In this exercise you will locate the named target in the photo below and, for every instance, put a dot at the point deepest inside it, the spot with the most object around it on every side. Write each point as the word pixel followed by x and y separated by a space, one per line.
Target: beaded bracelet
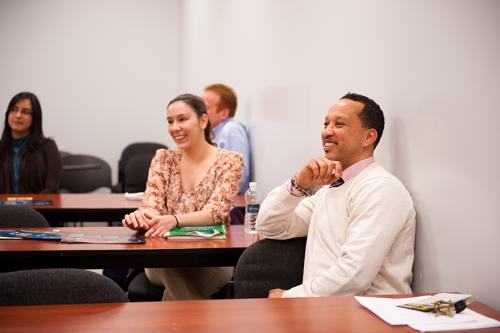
pixel 176 221
pixel 306 192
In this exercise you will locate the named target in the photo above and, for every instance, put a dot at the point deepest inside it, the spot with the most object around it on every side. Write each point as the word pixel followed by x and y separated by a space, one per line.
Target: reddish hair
pixel 227 97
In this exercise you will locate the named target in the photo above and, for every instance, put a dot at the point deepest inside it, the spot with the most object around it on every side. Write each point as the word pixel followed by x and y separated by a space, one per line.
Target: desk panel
pixel 158 252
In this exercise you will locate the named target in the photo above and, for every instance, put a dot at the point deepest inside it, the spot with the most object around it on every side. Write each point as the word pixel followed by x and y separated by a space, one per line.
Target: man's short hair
pixel 371 115
pixel 227 97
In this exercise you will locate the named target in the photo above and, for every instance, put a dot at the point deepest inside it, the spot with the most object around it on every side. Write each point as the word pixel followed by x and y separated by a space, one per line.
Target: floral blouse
pixel 214 193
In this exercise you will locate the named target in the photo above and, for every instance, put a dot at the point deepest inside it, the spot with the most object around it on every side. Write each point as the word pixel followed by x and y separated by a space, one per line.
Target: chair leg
pixel 230 289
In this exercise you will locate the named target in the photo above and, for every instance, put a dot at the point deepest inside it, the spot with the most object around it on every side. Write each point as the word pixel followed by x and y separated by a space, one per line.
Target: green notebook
pixel 199 232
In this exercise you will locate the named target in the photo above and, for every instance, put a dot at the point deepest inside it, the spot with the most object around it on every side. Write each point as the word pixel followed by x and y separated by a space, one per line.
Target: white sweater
pixel 360 236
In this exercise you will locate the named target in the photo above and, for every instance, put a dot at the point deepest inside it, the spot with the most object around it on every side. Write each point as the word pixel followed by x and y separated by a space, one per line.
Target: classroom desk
pixel 89 207
pixel 26 254
pixel 77 207
pixel 329 314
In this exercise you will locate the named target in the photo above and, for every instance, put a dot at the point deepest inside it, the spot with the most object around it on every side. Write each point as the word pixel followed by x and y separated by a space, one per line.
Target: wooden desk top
pixel 77 207
pixel 330 314
pixel 157 252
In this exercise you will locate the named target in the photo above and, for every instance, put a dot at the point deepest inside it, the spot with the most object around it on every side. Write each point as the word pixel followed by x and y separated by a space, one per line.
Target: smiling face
pixel 344 137
pixel 20 118
pixel 184 126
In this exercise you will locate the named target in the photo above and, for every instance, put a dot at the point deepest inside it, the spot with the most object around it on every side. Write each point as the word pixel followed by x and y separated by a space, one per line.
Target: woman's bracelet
pixel 176 221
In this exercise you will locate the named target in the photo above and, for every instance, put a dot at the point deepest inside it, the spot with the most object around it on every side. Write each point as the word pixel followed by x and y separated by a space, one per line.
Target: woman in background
pixel 29 162
pixel 194 184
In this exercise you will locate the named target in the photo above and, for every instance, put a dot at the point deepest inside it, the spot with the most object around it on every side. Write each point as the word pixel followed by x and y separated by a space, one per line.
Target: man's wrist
pixel 296 188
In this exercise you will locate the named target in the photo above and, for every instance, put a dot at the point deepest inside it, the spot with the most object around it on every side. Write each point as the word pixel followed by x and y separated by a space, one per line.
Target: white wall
pixel 103 70
pixel 432 65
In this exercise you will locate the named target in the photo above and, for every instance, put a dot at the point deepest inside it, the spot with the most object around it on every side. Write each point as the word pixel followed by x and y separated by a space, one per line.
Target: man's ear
pixel 370 138
pixel 224 113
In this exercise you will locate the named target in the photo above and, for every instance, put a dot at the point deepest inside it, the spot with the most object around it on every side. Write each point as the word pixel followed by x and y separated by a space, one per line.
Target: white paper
pixel 138 196
pixel 443 297
pixel 387 310
pixel 479 321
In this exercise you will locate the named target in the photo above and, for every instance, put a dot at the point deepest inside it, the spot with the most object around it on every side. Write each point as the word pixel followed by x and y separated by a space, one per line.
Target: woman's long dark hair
pixel 198 106
pixel 36 133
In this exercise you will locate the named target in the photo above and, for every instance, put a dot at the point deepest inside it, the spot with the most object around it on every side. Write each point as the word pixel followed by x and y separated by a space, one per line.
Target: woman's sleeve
pixel 54 167
pixel 154 196
pixel 226 187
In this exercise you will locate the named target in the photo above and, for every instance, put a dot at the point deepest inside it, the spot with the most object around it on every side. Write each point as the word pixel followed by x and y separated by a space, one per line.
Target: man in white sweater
pixel 360 225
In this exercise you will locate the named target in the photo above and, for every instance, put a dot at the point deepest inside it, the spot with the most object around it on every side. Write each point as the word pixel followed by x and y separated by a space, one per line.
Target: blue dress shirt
pixel 232 135
pixel 17 150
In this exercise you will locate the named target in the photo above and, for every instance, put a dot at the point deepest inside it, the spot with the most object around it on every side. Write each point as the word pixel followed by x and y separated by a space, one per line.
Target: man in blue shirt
pixel 221 103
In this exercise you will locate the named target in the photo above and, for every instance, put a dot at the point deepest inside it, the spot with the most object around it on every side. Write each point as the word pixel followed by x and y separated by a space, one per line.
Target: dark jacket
pixel 39 172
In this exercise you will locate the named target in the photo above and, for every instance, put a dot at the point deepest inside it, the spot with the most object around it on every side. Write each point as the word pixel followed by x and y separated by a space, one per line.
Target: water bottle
pixel 251 208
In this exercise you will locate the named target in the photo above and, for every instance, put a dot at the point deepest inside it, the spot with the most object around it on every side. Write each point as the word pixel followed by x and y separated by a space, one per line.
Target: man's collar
pixel 221 124
pixel 356 168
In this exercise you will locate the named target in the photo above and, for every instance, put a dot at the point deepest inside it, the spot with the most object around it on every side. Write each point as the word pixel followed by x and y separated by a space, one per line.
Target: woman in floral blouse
pixel 194 184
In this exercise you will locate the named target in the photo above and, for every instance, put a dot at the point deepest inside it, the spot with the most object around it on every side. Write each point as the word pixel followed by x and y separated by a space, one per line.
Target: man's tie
pixel 337 183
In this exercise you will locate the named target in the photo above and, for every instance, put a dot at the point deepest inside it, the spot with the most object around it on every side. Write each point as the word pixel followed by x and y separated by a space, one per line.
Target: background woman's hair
pixel 36 132
pixel 198 106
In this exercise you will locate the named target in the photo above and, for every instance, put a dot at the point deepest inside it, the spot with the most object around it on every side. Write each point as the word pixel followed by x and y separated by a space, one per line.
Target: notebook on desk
pixel 29 234
pixel 74 237
pixel 24 201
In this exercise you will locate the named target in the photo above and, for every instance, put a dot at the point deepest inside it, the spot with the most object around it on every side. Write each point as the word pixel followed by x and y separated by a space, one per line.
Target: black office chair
pixel 21 217
pixel 63 154
pixel 58 286
pixel 269 264
pixel 84 173
pixel 135 174
pixel 237 216
pixel 131 150
pixel 140 289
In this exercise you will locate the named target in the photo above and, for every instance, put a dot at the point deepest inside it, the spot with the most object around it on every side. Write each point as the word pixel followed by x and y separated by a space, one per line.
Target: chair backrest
pixel 84 173
pixel 269 264
pixel 236 216
pixel 135 149
pixel 135 174
pixel 21 217
pixel 58 286
pixel 63 154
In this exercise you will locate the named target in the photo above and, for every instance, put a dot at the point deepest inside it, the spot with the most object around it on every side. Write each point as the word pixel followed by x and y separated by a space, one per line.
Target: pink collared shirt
pixel 356 168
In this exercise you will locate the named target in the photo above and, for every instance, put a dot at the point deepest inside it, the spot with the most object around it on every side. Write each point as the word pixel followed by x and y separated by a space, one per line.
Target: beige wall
pixel 104 70
pixel 432 65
